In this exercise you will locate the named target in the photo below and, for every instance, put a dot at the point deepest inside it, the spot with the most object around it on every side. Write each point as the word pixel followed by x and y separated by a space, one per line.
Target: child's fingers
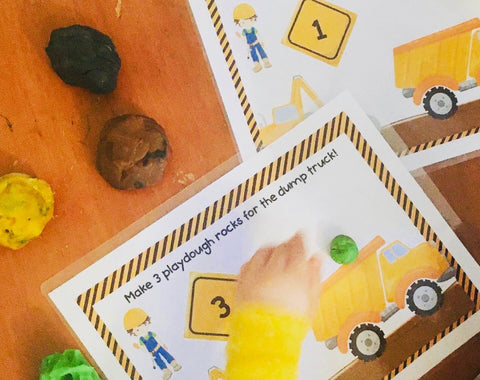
pixel 250 273
pixel 314 266
pixel 258 260
pixel 292 252
pixel 261 257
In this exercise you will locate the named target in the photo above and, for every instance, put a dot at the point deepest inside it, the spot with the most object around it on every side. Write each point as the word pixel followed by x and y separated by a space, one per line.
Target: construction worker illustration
pixel 245 17
pixel 136 322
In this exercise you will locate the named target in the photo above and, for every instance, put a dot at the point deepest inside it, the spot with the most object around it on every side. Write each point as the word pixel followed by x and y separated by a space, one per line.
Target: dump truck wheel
pixel 367 342
pixel 424 297
pixel 440 102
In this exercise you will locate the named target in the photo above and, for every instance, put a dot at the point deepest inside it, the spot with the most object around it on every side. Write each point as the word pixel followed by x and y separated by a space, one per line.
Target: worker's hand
pixel 282 276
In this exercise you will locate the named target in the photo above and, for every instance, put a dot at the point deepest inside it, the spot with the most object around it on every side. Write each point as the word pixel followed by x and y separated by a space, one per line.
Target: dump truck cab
pixel 402 266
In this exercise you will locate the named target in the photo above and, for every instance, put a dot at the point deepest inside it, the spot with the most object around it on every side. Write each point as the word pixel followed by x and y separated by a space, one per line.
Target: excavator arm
pixel 298 84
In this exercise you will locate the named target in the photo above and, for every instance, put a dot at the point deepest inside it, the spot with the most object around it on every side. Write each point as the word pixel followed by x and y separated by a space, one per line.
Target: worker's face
pixel 246 23
pixel 141 330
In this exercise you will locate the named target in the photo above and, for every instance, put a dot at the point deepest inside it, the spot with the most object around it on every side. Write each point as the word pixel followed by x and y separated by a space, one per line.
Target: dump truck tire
pixel 424 297
pixel 440 102
pixel 367 342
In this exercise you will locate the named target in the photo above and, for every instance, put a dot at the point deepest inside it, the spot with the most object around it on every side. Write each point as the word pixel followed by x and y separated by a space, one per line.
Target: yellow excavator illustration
pixel 289 115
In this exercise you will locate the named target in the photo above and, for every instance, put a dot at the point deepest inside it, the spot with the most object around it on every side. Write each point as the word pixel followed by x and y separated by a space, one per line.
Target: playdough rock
pixel 84 57
pixel 69 365
pixel 26 205
pixel 343 249
pixel 132 152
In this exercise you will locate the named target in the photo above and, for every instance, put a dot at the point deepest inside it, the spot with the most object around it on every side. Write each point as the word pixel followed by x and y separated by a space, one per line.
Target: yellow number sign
pixel 320 29
pixel 209 306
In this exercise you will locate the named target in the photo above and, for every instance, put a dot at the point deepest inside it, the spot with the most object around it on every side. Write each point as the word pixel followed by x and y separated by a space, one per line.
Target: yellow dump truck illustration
pixel 288 116
pixel 358 296
pixel 431 68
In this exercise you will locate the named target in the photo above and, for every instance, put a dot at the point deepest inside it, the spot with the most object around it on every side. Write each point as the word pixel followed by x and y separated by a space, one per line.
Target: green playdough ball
pixel 343 249
pixel 69 365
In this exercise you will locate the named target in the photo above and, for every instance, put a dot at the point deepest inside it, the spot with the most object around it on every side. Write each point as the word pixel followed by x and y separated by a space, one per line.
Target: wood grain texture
pixel 50 130
pixel 462 364
pixel 423 128
pixel 411 336
pixel 458 181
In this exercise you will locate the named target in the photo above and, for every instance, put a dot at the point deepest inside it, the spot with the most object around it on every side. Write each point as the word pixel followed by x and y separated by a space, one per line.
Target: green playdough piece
pixel 343 249
pixel 70 365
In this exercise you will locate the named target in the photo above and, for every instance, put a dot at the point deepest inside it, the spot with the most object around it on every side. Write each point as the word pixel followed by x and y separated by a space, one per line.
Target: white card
pixel 333 174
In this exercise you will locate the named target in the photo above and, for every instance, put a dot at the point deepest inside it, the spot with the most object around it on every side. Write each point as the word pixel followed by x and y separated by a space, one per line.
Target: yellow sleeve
pixel 264 343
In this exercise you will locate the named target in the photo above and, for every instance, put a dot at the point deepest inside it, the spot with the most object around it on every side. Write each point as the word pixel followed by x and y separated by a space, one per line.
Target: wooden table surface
pixel 50 129
pixel 453 187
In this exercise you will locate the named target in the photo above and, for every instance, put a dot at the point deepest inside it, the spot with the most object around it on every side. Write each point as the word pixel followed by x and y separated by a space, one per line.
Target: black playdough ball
pixel 84 57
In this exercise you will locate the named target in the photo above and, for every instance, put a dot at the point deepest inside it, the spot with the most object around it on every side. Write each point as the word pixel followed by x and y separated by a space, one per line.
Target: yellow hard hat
pixel 134 318
pixel 243 11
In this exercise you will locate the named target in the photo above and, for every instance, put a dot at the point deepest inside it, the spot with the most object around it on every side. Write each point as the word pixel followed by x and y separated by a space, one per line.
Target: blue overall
pixel 156 350
pixel 255 45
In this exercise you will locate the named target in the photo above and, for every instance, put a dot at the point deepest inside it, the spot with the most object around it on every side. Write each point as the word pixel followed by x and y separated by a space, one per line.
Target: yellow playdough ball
pixel 26 206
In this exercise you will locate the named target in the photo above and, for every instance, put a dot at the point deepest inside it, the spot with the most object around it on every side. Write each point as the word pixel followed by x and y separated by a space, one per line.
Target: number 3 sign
pixel 320 29
pixel 209 305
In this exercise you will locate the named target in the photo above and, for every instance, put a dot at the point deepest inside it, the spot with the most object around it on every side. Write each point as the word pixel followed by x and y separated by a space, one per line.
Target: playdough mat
pixel 394 57
pixel 334 174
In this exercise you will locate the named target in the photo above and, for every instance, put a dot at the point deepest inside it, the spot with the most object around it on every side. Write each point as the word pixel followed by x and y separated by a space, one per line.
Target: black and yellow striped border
pixel 432 342
pixel 340 125
pixel 473 293
pixel 234 73
pixel 440 141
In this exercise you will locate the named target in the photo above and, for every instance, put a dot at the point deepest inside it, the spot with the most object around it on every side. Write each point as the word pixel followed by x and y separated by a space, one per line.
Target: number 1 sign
pixel 320 29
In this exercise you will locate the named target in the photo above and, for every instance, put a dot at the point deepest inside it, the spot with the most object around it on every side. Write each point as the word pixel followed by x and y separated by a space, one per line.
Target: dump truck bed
pixel 445 53
pixel 353 288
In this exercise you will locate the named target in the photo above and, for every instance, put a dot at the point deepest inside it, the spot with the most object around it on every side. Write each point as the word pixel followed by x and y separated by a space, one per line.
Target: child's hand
pixel 282 276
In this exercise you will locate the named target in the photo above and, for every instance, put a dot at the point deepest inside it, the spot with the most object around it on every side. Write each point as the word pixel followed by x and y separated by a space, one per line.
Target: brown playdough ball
pixel 132 152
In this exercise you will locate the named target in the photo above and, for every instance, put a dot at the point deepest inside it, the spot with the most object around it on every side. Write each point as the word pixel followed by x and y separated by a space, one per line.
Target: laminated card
pixel 407 301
